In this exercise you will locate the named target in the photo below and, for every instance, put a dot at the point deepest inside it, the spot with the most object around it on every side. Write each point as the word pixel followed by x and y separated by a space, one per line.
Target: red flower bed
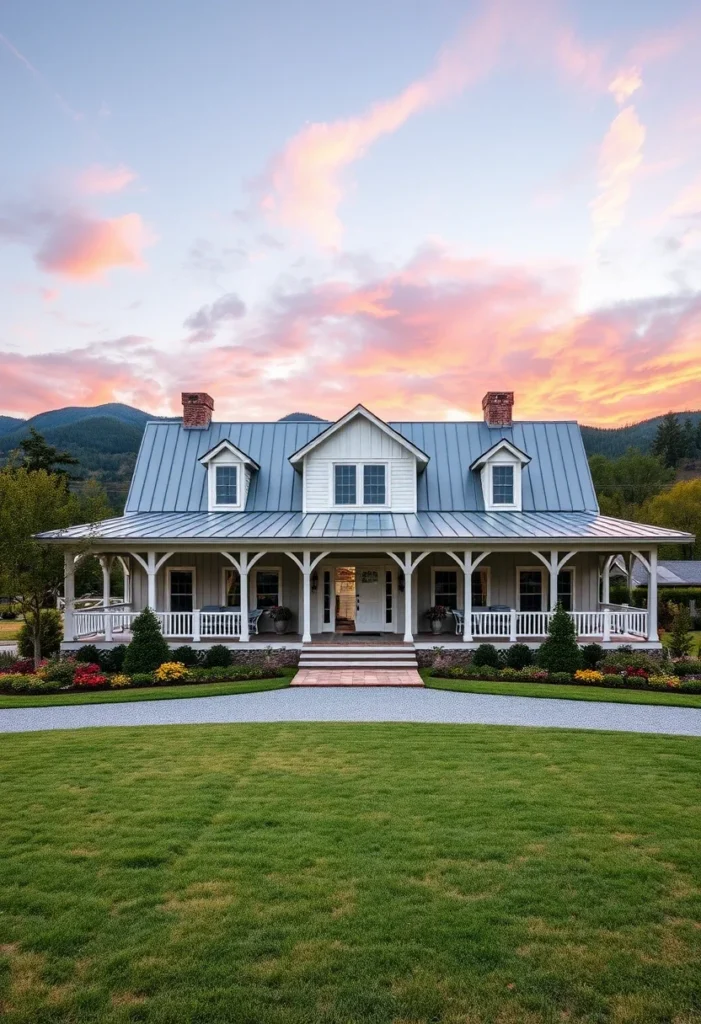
pixel 89 677
pixel 21 667
pixel 638 673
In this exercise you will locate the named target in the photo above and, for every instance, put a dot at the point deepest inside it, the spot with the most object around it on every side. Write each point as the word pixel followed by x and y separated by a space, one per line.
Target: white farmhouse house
pixel 359 527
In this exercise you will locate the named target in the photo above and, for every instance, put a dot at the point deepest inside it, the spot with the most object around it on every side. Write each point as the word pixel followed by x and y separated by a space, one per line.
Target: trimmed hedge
pixel 615 680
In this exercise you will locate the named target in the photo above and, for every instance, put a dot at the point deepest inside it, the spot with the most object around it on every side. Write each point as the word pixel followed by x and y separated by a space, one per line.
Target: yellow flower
pixel 120 682
pixel 170 671
pixel 588 675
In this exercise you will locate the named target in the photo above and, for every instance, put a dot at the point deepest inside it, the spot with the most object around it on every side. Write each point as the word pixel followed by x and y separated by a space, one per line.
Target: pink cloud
pixel 625 84
pixel 620 157
pixel 100 180
pixel 81 246
pixel 688 203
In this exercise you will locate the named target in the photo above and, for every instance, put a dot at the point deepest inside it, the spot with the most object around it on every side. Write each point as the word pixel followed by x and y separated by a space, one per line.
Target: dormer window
pixel 345 485
pixel 360 484
pixel 227 485
pixel 502 485
pixel 501 469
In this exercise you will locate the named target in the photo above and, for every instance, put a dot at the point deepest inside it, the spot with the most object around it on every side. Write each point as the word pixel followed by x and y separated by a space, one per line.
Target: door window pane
pixel 344 483
pixel 227 485
pixel 181 595
pixel 479 588
pixel 388 596
pixel 446 587
pixel 502 485
pixel 232 589
pixel 565 595
pixel 374 485
pixel 327 596
pixel 531 590
pixel 267 589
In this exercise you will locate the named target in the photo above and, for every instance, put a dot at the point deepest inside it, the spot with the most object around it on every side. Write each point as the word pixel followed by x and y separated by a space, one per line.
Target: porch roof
pixel 206 527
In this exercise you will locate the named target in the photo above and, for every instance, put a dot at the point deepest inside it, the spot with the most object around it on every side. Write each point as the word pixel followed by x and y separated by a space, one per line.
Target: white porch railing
pixel 174 625
pixel 511 625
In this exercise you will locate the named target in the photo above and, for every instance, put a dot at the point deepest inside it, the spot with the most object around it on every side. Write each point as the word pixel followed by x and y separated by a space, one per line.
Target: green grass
pixel 9 630
pixel 344 874
pixel 599 693
pixel 147 693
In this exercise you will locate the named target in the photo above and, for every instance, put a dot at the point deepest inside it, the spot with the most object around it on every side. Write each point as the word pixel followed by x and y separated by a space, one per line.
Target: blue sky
pixel 402 204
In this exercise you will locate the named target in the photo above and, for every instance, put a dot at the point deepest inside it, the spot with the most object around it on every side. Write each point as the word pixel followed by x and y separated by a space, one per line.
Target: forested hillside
pixel 615 441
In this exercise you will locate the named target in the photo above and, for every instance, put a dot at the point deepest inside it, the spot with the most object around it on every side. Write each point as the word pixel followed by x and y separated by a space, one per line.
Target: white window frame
pixel 572 570
pixel 181 568
pixel 253 584
pixel 461 584
pixel 544 605
pixel 225 459
pixel 359 485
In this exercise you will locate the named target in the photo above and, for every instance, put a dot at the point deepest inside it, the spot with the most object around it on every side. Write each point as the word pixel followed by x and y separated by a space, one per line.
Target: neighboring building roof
pixel 673 573
pixel 205 527
pixel 169 478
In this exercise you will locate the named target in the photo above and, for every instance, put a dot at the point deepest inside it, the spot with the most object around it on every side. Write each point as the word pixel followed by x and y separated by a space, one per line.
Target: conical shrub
pixel 148 648
pixel 560 653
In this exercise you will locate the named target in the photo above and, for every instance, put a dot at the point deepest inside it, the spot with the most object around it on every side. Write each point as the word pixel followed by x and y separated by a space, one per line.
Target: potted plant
pixel 280 616
pixel 436 614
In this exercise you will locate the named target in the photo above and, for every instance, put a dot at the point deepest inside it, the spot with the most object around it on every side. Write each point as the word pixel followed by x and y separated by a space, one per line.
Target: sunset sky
pixel 304 204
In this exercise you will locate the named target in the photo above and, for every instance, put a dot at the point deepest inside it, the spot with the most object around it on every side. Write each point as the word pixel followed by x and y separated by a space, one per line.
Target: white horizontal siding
pixel 362 441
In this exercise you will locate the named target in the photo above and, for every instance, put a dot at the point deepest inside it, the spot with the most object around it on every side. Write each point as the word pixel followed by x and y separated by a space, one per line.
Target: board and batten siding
pixel 360 441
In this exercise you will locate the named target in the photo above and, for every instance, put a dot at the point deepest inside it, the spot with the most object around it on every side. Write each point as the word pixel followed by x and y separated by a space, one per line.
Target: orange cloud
pixel 304 183
pixel 100 180
pixel 619 158
pixel 81 246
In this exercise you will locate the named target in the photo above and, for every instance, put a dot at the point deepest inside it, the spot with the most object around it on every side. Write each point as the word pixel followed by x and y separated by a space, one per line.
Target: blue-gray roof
pixel 204 527
pixel 169 478
pixel 671 573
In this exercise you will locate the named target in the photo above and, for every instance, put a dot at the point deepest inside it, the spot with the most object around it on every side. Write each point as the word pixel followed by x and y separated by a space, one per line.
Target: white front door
pixel 369 594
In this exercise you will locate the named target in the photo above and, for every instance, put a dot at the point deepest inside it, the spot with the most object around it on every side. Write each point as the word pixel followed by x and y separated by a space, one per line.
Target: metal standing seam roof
pixel 169 478
pixel 204 527
pixel 672 573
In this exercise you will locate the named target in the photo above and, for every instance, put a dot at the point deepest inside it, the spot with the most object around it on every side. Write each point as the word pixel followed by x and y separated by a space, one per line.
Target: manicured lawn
pixel 599 693
pixel 343 874
pixel 147 693
pixel 9 630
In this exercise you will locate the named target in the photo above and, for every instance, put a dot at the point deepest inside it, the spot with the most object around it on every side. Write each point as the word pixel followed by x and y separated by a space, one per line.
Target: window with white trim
pixel 565 589
pixel 226 485
pixel 345 484
pixel 374 484
pixel 502 485
pixel 267 588
pixel 360 484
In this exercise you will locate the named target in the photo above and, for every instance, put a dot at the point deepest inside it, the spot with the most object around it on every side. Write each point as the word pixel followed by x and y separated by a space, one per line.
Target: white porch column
pixel 68 594
pixel 126 569
pixel 467 599
pixel 306 597
pixel 408 597
pixel 151 570
pixel 606 580
pixel 106 564
pixel 553 570
pixel 652 633
pixel 244 636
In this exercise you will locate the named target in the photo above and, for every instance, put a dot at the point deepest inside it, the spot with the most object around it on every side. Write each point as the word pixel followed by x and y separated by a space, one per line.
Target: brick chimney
pixel 497 406
pixel 197 410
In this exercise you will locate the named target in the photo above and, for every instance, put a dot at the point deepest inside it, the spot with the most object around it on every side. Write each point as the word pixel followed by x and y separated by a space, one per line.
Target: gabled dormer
pixel 500 469
pixel 359 464
pixel 228 477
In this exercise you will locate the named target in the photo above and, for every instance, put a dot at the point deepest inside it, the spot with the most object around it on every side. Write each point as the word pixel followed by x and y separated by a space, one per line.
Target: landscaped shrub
pixel 170 672
pixel 663 682
pixel 218 656
pixel 519 656
pixel 560 653
pixel 50 631
pixel 685 667
pixel 22 666
pixel 140 679
pixel 486 654
pixel 690 685
pixel 613 679
pixel 187 656
pixel 626 657
pixel 7 660
pixel 89 677
pixel 589 676
pixel 592 654
pixel 149 648
pixel 60 670
pixel 112 660
pixel 680 642
pixel 510 674
pixel 89 654
pixel 120 682
pixel 28 684
pixel 560 677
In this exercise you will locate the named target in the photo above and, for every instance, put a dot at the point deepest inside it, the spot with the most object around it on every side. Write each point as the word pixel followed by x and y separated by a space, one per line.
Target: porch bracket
pixel 243 565
pixel 468 563
pixel 407 566
pixel 307 567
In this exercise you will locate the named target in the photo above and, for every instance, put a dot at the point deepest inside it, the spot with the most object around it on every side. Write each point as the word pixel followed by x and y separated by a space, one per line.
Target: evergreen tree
pixel 681 643
pixel 35 454
pixel 669 442
pixel 560 652
pixel 689 439
pixel 697 452
pixel 149 648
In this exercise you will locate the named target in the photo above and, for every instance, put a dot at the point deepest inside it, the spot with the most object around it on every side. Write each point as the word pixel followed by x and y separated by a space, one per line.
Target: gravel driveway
pixel 377 704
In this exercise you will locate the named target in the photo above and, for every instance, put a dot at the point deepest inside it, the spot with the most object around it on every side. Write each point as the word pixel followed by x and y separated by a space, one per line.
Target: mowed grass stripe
pixel 349 873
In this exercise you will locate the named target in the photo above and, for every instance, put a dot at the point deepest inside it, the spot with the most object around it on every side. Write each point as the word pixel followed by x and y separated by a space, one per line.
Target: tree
pixel 689 439
pixel 624 484
pixel 669 442
pixel 31 502
pixel 148 649
pixel 36 454
pixel 560 653
pixel 680 642
pixel 679 508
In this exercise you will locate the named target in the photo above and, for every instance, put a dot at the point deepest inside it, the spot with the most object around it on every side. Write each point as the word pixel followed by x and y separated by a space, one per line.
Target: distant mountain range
pixel 106 439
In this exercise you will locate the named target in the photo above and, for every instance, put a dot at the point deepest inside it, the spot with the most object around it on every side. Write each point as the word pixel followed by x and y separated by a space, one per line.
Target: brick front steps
pixel 357 677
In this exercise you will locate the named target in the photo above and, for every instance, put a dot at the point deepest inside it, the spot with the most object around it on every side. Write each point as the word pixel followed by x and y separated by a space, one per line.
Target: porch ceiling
pixel 509 528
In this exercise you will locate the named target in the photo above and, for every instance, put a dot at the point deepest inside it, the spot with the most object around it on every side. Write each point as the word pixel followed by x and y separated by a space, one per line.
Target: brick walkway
pixel 357 677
